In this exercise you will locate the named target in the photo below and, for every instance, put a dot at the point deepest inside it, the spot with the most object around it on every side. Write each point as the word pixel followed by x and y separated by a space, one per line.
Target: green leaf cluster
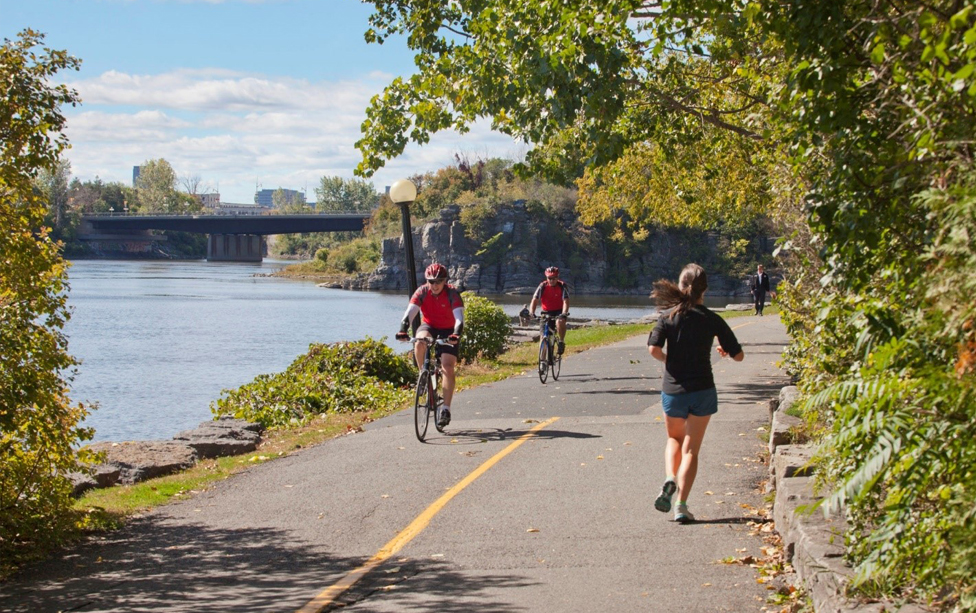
pixel 334 378
pixel 486 329
pixel 39 425
pixel 344 195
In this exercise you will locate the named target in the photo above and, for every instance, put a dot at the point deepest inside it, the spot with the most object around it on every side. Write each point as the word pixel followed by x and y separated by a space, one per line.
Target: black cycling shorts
pixel 440 333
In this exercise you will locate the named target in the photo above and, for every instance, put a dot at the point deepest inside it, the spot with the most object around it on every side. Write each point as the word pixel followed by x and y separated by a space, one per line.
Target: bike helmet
pixel 552 271
pixel 435 271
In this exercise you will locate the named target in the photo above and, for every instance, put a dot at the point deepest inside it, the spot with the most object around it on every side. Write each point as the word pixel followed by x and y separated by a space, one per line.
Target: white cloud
pixel 236 130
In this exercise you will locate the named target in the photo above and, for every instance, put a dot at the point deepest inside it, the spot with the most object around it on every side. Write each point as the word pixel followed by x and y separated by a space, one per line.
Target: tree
pixel 576 80
pixel 156 188
pixel 339 194
pixel 193 185
pixel 39 426
pixel 288 201
pixel 53 185
pixel 97 197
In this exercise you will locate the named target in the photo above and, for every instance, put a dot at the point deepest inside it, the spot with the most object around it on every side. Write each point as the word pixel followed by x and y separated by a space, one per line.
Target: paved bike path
pixel 563 522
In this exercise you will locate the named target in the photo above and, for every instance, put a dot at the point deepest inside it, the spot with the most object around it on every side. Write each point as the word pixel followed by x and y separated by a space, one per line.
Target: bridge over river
pixel 238 238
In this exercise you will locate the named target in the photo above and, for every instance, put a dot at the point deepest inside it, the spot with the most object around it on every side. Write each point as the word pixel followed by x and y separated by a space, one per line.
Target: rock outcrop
pixel 133 461
pixel 140 460
pixel 528 243
pixel 223 437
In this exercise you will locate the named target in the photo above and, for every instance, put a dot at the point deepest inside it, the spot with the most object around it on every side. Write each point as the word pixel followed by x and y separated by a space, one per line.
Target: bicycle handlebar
pixel 560 316
pixel 429 340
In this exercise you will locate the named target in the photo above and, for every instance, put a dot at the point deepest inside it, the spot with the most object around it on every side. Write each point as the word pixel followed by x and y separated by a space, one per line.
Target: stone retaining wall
pixel 814 541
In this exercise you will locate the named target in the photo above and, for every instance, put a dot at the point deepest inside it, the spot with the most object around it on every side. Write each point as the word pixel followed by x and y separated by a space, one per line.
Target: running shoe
pixel 682 515
pixel 663 502
pixel 562 347
pixel 444 418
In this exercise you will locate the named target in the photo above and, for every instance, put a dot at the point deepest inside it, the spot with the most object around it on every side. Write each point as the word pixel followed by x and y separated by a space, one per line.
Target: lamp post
pixel 403 192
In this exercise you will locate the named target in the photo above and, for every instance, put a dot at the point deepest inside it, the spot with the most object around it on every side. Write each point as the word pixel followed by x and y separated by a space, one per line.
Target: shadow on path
pixel 152 565
pixel 425 585
pixel 483 435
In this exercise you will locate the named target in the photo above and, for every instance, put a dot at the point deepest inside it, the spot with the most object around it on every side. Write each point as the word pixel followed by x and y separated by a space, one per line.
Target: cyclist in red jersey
pixel 442 316
pixel 553 295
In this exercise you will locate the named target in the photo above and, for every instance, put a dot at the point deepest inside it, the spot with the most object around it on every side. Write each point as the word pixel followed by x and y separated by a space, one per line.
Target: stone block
pixel 787 396
pixel 140 460
pixel 792 461
pixel 780 433
pixel 226 436
pixel 81 483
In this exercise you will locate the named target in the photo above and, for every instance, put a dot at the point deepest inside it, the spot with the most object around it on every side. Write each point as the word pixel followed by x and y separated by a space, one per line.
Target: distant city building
pixel 209 201
pixel 135 174
pixel 265 197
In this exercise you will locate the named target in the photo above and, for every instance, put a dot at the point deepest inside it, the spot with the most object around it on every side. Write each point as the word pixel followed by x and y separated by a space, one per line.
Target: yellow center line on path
pixel 417 526
pixel 748 323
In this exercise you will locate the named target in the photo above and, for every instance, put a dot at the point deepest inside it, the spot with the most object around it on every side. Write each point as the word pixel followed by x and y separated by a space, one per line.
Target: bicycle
pixel 549 358
pixel 427 398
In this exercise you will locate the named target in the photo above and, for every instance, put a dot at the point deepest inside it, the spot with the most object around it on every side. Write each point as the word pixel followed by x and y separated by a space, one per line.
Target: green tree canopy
pixel 288 201
pixel 339 194
pixel 38 423
pixel 53 185
pixel 156 190
pixel 580 80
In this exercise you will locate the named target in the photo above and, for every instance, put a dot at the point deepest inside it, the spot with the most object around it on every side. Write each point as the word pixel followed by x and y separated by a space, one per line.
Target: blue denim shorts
pixel 700 404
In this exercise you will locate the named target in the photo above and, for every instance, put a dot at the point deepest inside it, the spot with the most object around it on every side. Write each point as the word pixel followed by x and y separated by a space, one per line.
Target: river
pixel 159 340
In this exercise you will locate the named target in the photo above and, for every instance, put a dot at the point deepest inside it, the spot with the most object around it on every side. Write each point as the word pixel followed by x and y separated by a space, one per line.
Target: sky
pixel 239 94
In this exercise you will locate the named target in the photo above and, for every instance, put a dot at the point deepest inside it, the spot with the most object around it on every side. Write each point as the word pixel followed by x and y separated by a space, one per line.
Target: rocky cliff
pixel 523 243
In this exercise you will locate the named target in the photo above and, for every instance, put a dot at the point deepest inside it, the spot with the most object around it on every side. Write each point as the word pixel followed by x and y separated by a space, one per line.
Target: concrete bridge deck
pixel 260 225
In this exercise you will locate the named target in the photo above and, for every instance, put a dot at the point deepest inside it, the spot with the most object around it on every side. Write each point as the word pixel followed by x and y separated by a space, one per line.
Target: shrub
pixel 336 378
pixel 39 424
pixel 486 328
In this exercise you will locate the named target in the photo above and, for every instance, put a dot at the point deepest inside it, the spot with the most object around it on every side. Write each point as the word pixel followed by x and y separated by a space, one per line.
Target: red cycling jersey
pixel 437 311
pixel 552 296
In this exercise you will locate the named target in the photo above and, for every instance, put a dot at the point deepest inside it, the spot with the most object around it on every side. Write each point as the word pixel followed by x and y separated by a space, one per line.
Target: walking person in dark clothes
pixel 759 288
pixel 688 392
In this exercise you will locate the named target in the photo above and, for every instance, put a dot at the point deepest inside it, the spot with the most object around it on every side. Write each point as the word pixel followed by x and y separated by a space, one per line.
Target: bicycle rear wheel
pixel 543 360
pixel 422 404
pixel 557 363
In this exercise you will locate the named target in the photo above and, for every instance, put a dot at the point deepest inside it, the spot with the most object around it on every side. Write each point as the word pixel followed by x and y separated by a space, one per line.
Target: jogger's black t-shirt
pixel 689 337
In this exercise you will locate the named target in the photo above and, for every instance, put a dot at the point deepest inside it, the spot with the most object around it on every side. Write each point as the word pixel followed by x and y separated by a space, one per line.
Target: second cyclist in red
pixel 553 295
pixel 442 316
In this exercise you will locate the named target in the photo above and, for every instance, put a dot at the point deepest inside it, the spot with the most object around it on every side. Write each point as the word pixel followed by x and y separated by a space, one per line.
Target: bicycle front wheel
pixel 543 360
pixel 423 401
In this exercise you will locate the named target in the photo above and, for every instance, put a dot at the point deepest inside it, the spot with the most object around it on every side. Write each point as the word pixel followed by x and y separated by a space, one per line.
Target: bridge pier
pixel 236 247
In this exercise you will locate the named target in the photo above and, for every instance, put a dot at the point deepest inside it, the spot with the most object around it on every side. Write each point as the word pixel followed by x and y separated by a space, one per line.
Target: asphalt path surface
pixel 563 522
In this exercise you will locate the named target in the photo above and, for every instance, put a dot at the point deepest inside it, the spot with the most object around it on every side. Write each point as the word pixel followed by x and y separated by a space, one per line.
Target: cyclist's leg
pixel 420 349
pixel 561 328
pixel 448 363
